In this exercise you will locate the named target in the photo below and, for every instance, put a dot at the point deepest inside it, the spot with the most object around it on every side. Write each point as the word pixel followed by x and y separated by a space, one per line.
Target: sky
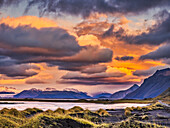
pixel 90 45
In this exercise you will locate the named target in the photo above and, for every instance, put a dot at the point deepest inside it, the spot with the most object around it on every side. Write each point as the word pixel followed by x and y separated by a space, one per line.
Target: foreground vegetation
pixel 77 117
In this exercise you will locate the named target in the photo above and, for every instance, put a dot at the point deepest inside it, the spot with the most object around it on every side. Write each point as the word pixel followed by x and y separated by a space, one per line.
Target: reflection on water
pixel 66 105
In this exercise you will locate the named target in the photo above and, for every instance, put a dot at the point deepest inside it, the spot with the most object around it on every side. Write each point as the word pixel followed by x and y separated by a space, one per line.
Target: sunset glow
pixel 92 51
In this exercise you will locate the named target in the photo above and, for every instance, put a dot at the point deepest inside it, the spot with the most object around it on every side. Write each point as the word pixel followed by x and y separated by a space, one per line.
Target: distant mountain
pixel 8 90
pixel 32 93
pixel 102 95
pixel 36 93
pixel 123 93
pixel 71 89
pixel 50 89
pixel 63 95
pixel 152 86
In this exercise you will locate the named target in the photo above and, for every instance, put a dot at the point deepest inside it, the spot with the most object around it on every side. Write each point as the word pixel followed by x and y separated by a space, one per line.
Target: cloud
pixel 22 70
pixel 87 7
pixel 48 38
pixel 124 58
pixel 55 46
pixel 91 54
pixel 166 61
pixel 158 34
pixel 9 2
pixel 162 52
pixel 94 79
pixel 32 21
pixel 148 72
pixel 78 75
pixel 6 61
pixel 124 20
pixel 34 81
pixel 94 69
pixel 97 82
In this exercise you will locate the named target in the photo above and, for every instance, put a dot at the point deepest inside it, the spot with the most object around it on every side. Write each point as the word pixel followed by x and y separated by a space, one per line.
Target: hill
pixel 152 86
pixel 123 93
pixel 36 93
pixel 102 95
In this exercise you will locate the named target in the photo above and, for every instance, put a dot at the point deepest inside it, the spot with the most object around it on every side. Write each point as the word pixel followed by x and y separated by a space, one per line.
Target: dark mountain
pixel 63 95
pixel 7 92
pixel 32 93
pixel 152 86
pixel 164 96
pixel 36 93
pixel 123 93
pixel 102 95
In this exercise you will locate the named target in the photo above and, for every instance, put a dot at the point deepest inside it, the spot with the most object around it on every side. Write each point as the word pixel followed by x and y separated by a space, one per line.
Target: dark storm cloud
pixel 158 34
pixel 124 58
pixel 23 70
pixel 162 52
pixel 6 61
pixel 54 46
pixel 86 7
pixel 48 38
pixel 9 2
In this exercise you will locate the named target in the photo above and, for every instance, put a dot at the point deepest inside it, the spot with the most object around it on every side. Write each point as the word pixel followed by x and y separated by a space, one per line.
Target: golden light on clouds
pixel 33 21
pixel 95 46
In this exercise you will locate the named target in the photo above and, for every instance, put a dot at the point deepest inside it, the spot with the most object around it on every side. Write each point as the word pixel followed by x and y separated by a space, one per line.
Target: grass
pixel 131 123
pixel 58 121
pixel 77 117
pixel 155 106
pixel 102 112
pixel 60 118
pixel 136 120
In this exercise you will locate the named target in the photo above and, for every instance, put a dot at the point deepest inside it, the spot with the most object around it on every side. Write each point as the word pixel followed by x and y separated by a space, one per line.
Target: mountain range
pixel 164 96
pixel 102 95
pixel 152 86
pixel 8 90
pixel 121 94
pixel 65 94
pixel 32 93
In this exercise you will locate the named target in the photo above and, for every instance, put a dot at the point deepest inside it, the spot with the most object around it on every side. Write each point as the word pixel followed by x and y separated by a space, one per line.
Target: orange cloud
pixel 33 21
pixel 124 20
pixel 12 81
pixel 88 40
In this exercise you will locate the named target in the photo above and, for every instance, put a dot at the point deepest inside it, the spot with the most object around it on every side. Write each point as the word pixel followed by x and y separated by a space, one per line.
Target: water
pixel 65 105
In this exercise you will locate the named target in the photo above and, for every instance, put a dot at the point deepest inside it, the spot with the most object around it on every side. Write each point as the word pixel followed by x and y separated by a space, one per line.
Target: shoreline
pixel 84 101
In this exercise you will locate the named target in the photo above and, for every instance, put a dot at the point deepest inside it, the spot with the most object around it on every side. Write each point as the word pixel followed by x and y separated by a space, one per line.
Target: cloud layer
pixel 87 7
pixel 24 44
